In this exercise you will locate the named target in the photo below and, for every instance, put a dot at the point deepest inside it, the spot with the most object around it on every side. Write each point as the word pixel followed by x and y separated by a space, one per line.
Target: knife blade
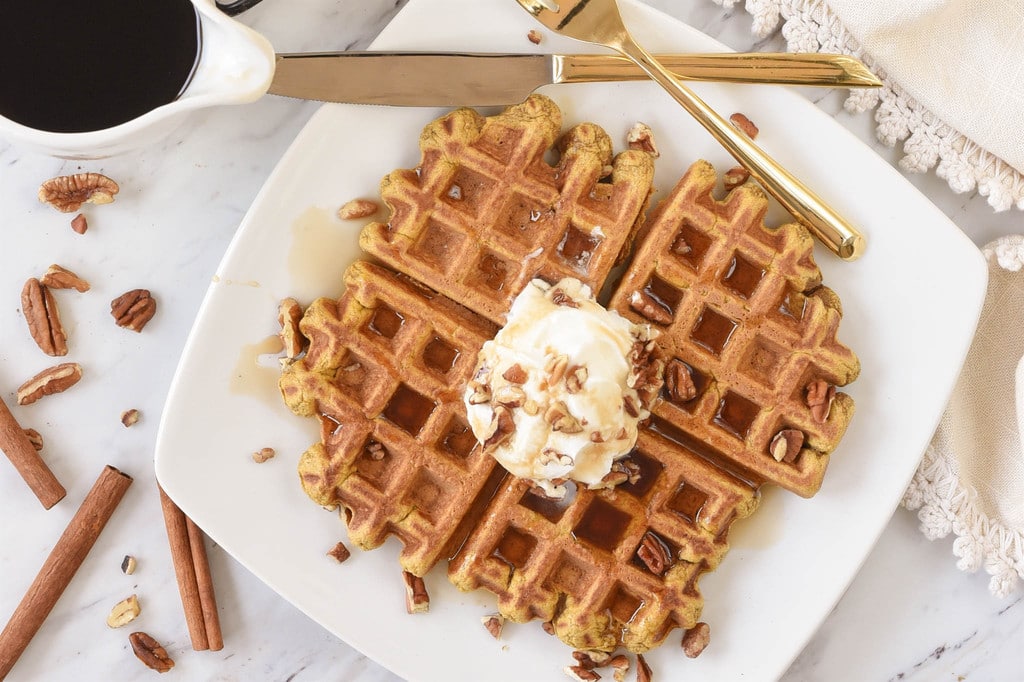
pixel 480 79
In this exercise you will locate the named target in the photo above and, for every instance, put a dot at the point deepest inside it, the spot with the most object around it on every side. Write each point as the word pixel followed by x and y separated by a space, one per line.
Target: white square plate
pixel 911 305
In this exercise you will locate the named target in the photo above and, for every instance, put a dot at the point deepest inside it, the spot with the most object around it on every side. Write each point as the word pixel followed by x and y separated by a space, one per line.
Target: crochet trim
pixel 810 26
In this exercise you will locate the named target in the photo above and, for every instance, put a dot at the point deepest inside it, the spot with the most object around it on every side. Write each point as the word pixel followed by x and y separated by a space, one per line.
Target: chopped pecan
pixel 479 393
pixel 641 137
pixel 339 552
pixel 631 405
pixel 680 247
pixel 130 417
pixel 57 277
pixel 509 396
pixel 494 624
pixel 581 674
pixel 263 454
pixel 515 374
pixel 696 639
pixel 548 627
pixel 575 377
pixel 556 367
pixel 819 397
pixel 653 552
pixel 416 598
pixel 631 468
pixel 559 297
pixel 743 123
pixel 557 415
pixel 534 36
pixel 734 177
pixel 149 651
pixel 51 380
pixel 128 564
pixel 79 224
pixel 590 659
pixel 133 309
pixel 786 444
pixel 376 451
pixel 501 427
pixel 35 438
pixel 43 318
pixel 124 612
pixel 531 407
pixel 357 208
pixel 643 303
pixel 610 480
pixel 289 313
pixel 643 671
pixel 67 193
pixel 679 381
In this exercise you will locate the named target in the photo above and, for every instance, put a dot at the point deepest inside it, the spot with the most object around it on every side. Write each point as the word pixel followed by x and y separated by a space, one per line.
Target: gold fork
pixel 599 22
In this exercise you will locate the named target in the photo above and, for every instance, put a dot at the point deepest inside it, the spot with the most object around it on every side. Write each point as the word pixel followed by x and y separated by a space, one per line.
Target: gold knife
pixel 479 79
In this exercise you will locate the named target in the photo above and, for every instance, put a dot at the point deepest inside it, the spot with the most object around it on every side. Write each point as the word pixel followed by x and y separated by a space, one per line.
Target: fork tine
pixel 548 12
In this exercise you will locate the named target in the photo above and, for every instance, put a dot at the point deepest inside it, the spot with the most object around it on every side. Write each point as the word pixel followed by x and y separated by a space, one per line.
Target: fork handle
pixel 809 209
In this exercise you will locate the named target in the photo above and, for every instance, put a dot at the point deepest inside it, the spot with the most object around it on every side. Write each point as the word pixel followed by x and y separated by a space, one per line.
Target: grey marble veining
pixel 909 614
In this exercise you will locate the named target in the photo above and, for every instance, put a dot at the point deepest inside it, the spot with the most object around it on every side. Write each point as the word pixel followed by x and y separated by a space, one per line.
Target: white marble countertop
pixel 909 614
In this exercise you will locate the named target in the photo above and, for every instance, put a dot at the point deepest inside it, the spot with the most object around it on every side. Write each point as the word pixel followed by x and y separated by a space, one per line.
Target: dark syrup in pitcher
pixel 72 66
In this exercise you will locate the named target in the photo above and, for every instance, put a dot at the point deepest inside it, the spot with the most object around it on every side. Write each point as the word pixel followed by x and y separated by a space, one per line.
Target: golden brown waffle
pixel 484 212
pixel 745 318
pixel 384 373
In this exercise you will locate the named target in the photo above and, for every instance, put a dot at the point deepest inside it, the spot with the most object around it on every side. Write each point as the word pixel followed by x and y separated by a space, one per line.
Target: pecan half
pixel 416 598
pixel 494 624
pixel 744 124
pixel 643 303
pixel 786 444
pixel 124 612
pixel 133 309
pixel 357 208
pixel 51 380
pixel 339 552
pixel 43 318
pixel 149 651
pixel 67 193
pixel 641 137
pixel 679 382
pixel 820 395
pixel 289 313
pixel 696 639
pixel 57 277
pixel 653 552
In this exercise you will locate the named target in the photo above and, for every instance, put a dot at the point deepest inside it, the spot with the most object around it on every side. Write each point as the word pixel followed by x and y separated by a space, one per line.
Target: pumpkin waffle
pixel 748 331
pixel 484 213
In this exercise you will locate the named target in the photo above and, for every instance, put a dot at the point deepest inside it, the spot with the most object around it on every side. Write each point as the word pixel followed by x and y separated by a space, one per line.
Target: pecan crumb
pixel 150 652
pixel 494 624
pixel 744 124
pixel 67 193
pixel 641 137
pixel 357 208
pixel 130 417
pixel 128 564
pixel 51 380
pixel 133 309
pixel 263 454
pixel 339 552
pixel 416 598
pixel 786 444
pixel 58 277
pixel 820 395
pixel 79 224
pixel 534 36
pixel 696 639
pixel 35 438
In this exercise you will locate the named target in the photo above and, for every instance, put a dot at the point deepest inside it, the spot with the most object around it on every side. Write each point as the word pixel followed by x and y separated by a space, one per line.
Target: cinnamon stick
pixel 204 580
pixel 61 565
pixel 18 448
pixel 184 571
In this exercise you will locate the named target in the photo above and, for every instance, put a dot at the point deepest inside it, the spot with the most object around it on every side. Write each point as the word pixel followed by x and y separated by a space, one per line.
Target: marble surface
pixel 909 614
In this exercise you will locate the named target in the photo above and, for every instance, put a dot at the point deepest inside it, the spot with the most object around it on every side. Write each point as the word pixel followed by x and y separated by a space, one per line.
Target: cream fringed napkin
pixel 971 481
pixel 953 73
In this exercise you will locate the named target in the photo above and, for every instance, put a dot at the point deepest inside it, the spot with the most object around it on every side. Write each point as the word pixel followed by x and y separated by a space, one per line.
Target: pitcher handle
pixel 235 7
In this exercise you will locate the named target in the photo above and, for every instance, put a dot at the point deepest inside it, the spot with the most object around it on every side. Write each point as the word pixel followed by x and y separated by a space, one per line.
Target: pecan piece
pixel 643 303
pixel 149 651
pixel 509 396
pixel 339 552
pixel 643 671
pixel 51 380
pixel 557 415
pixel 357 208
pixel 786 444
pixel 534 36
pixel 128 564
pixel 679 382
pixel 653 552
pixel 79 224
pixel 43 318
pixel 696 639
pixel 820 395
pixel 124 612
pixel 133 309
pixel 641 137
pixel 744 124
pixel 67 193
pixel 263 454
pixel 130 417
pixel 416 598
pixel 35 438
pixel 289 312
pixel 494 624
pixel 620 664
pixel 556 367
pixel 548 627
pixel 575 377
pixel 501 427
pixel 57 277
pixel 559 297
pixel 376 451
pixel 581 674
pixel 515 374
pixel 734 177
pixel 590 659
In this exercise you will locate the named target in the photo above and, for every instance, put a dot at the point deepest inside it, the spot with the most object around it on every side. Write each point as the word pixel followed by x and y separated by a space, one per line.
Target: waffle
pixel 744 316
pixel 484 212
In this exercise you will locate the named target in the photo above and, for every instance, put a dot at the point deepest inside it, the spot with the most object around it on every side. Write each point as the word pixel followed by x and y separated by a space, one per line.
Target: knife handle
pixel 827 70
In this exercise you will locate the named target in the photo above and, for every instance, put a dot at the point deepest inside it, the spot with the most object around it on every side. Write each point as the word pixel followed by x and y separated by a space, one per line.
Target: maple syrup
pixel 81 66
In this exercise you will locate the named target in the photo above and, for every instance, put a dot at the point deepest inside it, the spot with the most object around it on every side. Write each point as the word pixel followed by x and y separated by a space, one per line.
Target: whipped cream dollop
pixel 559 392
